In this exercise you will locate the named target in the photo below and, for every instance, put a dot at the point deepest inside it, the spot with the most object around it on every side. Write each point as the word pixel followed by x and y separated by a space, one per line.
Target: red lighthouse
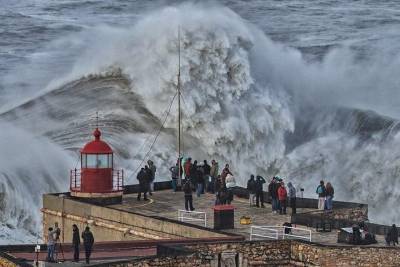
pixel 97 181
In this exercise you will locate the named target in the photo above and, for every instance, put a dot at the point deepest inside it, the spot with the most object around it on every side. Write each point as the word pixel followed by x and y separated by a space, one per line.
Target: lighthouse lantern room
pixel 97 181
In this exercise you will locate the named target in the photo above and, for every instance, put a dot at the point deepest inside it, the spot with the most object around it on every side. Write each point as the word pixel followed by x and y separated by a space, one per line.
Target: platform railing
pixel 276 232
pixel 76 175
pixel 192 216
pixel 263 232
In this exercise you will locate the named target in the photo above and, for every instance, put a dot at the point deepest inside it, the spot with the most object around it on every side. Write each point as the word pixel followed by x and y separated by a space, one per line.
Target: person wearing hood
pixel 292 197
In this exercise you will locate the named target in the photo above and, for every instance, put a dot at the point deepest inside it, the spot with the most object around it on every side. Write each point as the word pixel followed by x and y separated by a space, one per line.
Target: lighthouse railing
pixel 118 180
pixel 75 180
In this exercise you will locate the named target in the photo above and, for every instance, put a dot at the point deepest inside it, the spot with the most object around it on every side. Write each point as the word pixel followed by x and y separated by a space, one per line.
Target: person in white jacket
pixel 230 183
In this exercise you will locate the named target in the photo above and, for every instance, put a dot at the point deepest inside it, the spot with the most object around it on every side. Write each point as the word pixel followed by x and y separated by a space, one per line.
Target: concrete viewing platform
pixel 166 204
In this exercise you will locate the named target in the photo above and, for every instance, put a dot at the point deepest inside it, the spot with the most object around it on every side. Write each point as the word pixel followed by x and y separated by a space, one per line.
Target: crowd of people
pixel 201 178
pixel 54 244
pixel 146 178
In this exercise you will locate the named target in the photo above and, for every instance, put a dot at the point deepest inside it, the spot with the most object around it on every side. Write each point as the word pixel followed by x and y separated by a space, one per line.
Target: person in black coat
pixel 187 190
pixel 392 236
pixel 88 241
pixel 144 180
pixel 260 181
pixel 76 241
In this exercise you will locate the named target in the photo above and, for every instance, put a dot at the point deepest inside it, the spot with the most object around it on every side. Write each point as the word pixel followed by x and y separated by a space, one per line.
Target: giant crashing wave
pixel 240 107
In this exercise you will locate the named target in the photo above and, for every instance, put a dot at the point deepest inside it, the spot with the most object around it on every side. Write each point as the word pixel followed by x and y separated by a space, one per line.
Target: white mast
pixel 179 105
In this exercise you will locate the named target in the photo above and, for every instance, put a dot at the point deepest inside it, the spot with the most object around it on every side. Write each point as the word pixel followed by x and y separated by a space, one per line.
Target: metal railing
pixel 276 232
pixel 192 216
pixel 263 231
pixel 117 180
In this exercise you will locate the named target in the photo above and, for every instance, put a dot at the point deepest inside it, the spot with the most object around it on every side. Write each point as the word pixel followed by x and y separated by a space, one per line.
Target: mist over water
pixel 266 106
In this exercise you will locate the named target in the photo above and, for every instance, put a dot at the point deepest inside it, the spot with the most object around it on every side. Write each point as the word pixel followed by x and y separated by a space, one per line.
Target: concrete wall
pixel 109 224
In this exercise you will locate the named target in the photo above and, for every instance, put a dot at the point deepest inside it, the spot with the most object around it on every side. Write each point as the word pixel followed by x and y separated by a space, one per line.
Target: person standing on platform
pixel 207 178
pixel 230 184
pixel 272 193
pixel 321 191
pixel 143 178
pixel 218 188
pixel 76 241
pixel 51 237
pixel 392 236
pixel 153 169
pixel 329 191
pixel 260 181
pixel 225 172
pixel 187 166
pixel 174 176
pixel 187 190
pixel 57 231
pixel 282 195
pixel 251 188
pixel 292 197
pixel 88 241
pixel 199 177
pixel 214 175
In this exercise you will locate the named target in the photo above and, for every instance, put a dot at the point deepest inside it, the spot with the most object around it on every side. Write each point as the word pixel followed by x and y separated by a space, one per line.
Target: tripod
pixel 61 249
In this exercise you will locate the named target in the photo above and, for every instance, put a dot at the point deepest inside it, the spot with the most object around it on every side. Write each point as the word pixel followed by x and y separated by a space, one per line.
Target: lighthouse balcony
pixel 98 182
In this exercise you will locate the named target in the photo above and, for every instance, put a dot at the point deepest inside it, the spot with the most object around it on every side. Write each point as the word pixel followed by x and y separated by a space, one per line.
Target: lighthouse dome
pixel 96 146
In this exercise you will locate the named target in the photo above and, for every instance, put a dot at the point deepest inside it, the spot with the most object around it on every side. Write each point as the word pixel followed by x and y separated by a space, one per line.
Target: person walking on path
pixel 321 191
pixel 392 236
pixel 174 176
pixel 214 175
pixel 329 191
pixel 292 197
pixel 88 241
pixel 260 181
pixel 76 241
pixel 251 188
pixel 143 178
pixel 187 190
pixel 153 169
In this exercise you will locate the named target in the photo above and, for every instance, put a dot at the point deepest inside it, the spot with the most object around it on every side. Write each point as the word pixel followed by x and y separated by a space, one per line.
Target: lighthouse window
pixel 96 161
pixel 102 161
pixel 91 161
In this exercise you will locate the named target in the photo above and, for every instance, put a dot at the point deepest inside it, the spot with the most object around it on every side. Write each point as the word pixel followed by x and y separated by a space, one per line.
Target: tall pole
pixel 179 107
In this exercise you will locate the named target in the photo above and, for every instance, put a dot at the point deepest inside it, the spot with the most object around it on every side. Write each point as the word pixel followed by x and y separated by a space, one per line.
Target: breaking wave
pixel 248 101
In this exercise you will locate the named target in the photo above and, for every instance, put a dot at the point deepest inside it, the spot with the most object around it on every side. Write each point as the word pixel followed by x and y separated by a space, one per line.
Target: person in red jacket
pixel 282 196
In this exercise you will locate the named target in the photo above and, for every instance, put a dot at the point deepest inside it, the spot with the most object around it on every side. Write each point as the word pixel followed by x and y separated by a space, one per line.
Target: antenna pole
pixel 179 106
pixel 97 119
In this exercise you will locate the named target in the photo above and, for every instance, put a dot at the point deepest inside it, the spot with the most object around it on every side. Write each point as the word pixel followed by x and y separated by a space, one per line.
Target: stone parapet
pixel 272 253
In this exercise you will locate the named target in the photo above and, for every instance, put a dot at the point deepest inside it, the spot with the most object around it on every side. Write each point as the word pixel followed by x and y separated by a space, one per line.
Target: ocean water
pixel 305 90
